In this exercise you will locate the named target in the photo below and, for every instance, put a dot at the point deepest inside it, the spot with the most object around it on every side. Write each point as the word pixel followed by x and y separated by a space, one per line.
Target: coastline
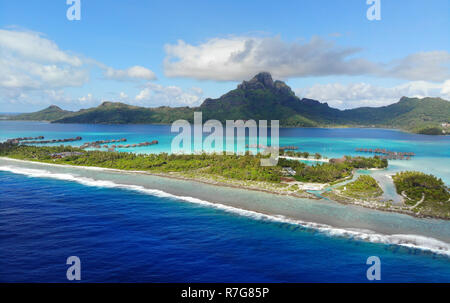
pixel 420 234
pixel 305 159
pixel 259 187
pixel 376 205
pixel 190 177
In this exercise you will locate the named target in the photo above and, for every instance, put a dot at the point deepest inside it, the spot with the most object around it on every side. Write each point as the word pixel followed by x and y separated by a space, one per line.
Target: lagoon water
pixel 127 227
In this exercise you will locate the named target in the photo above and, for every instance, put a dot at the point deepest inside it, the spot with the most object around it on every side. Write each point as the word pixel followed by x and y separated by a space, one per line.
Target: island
pixel 425 195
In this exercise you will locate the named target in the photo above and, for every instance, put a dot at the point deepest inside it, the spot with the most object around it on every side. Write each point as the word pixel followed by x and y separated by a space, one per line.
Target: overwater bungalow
pixel 390 155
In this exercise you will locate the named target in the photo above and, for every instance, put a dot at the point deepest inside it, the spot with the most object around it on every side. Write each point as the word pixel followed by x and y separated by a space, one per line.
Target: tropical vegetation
pixel 240 167
pixel 365 187
pixel 424 193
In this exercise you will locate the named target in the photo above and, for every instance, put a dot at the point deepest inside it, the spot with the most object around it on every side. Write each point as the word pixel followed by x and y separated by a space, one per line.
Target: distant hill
pixel 407 113
pixel 51 113
pixel 261 98
pixel 120 113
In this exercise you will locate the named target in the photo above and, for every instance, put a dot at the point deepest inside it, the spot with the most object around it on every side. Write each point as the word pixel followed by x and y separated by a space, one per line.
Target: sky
pixel 178 53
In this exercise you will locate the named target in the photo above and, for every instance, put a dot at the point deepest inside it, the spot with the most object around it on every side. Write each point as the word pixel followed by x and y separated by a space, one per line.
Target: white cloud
pixel 35 47
pixel 133 73
pixel 87 98
pixel 363 94
pixel 445 91
pixel 239 58
pixel 30 61
pixel 157 95
pixel 34 70
pixel 430 66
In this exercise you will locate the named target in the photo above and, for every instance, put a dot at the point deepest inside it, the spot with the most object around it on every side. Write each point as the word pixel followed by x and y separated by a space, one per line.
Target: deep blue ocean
pixel 122 235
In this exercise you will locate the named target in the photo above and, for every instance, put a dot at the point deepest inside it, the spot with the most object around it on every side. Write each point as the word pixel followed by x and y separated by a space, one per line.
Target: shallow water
pixel 433 152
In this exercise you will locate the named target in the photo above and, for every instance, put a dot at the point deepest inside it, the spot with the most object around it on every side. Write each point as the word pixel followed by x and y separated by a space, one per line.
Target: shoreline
pixel 184 177
pixel 337 196
pixel 239 185
pixel 406 237
pixel 305 159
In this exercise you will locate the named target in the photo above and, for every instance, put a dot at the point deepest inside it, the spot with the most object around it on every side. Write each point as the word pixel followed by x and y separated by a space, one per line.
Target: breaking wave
pixel 406 240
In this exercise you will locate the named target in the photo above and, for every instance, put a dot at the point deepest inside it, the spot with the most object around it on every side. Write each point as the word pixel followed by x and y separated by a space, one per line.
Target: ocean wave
pixel 406 240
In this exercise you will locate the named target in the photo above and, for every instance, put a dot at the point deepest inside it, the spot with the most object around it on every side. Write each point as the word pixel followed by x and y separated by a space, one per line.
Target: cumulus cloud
pixel 133 73
pixel 239 58
pixel 432 66
pixel 35 47
pixel 445 91
pixel 363 94
pixel 87 98
pixel 30 61
pixel 157 95
pixel 34 69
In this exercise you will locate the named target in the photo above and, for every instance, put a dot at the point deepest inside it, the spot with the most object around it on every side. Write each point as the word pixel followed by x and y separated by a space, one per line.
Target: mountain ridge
pixel 262 98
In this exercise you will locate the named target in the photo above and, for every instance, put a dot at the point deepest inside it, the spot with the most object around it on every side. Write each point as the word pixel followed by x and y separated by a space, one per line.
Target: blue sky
pixel 178 53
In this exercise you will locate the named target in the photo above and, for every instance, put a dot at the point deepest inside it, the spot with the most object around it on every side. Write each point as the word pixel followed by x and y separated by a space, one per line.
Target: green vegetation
pixel 415 184
pixel 297 154
pixel 324 172
pixel 408 113
pixel 331 172
pixel 430 130
pixel 365 187
pixel 261 98
pixel 51 113
pixel 424 193
pixel 364 163
pixel 119 113
pixel 244 167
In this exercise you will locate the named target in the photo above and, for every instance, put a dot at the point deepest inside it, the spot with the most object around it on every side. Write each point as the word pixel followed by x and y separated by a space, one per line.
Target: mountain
pixel 51 113
pixel 261 98
pixel 120 113
pixel 408 113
